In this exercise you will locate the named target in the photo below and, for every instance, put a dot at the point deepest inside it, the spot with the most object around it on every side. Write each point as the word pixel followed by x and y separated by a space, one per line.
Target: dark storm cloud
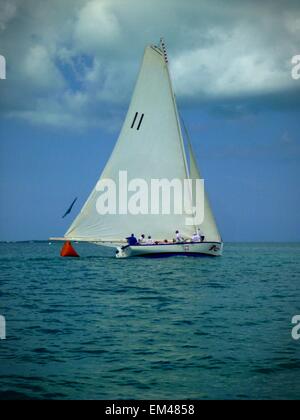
pixel 74 62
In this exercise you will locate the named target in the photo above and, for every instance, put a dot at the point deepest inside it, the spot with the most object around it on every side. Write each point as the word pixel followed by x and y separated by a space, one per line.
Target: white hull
pixel 188 248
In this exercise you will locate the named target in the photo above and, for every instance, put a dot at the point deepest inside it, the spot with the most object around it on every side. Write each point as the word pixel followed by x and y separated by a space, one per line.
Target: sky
pixel 71 66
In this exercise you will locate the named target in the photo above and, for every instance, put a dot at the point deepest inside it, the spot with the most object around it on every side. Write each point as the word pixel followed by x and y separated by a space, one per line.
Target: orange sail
pixel 68 250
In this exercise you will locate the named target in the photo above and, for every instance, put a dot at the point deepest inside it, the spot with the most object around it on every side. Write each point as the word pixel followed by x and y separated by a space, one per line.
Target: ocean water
pixel 174 328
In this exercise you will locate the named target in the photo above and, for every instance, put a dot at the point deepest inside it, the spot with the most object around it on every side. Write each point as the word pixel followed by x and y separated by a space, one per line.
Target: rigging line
pixel 185 130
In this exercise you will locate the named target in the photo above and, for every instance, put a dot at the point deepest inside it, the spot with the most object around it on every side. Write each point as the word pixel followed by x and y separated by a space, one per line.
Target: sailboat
pixel 151 146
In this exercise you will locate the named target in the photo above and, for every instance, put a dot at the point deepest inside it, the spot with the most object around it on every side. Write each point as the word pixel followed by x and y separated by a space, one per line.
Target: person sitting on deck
pixel 150 241
pixel 131 240
pixel 142 239
pixel 196 237
pixel 200 234
pixel 179 238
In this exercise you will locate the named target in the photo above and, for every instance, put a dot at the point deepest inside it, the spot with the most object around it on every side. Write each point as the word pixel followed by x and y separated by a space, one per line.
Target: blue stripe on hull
pixel 174 254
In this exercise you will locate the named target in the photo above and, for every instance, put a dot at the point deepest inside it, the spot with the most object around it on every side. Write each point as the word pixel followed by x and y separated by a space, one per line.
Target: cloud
pixel 74 62
pixel 231 67
pixel 39 68
pixel 8 9
pixel 96 27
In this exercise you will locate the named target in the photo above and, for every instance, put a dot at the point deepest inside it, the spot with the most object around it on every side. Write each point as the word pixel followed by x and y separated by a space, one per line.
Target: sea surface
pixel 172 328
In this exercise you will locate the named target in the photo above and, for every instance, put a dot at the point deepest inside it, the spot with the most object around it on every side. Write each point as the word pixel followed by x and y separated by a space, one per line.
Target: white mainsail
pixel 150 146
